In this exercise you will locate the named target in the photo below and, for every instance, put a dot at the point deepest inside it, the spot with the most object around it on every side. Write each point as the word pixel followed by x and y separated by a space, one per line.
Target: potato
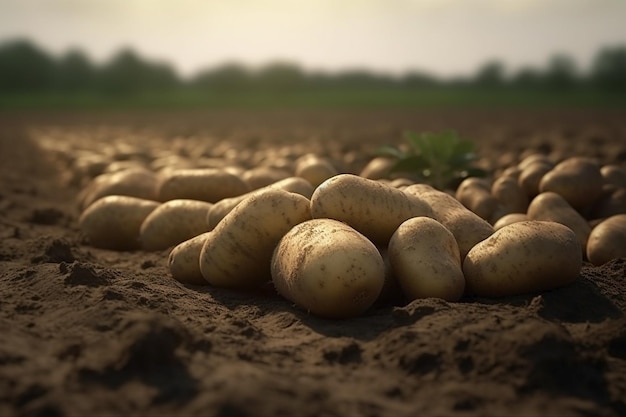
pixel 173 222
pixel 223 207
pixel 609 205
pixel 510 218
pixel 237 254
pixel 531 176
pixel 207 184
pixel 377 168
pixel 475 194
pixel 607 240
pixel 134 182
pixel 328 268
pixel 550 206
pixel 314 169
pixel 263 176
pixel 184 260
pixel 510 195
pixel 374 209
pixel 614 175
pixel 578 180
pixel 466 226
pixel 523 257
pixel 113 222
pixel 426 261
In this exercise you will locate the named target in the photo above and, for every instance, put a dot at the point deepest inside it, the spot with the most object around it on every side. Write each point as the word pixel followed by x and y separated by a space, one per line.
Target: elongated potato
pixel 113 222
pixel 466 226
pixel 204 184
pixel 314 169
pixel 426 261
pixel 184 261
pixel 238 252
pixel 328 268
pixel 607 240
pixel 263 176
pixel 133 182
pixel 371 207
pixel 173 222
pixel 550 206
pixel 523 257
pixel 223 207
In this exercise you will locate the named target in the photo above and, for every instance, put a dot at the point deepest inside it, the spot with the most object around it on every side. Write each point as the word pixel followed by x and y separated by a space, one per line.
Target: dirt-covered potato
pixel 133 182
pixel 223 207
pixel 578 180
pixel 510 218
pixel 607 240
pixel 263 176
pixel 426 261
pixel 113 222
pixel 531 175
pixel 204 184
pixel 523 257
pixel 184 261
pixel 314 169
pixel 614 175
pixel 511 196
pixel 174 222
pixel 475 194
pixel 371 207
pixel 467 227
pixel 238 252
pixel 328 268
pixel 377 168
pixel 550 206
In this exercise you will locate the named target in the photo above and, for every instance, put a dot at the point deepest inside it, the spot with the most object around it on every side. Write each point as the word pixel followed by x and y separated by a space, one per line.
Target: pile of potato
pixel 335 243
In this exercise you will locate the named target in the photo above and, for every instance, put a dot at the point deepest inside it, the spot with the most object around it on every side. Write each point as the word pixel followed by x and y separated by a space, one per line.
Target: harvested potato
pixel 223 207
pixel 531 176
pixel 134 182
pixel 511 196
pixel 206 184
pixel 550 206
pixel 609 205
pixel 510 218
pixel 328 268
pixel 614 175
pixel 314 169
pixel 523 257
pixel 607 240
pixel 377 168
pixel 184 261
pixel 371 207
pixel 475 194
pixel 238 252
pixel 174 222
pixel 426 261
pixel 263 176
pixel 113 222
pixel 466 226
pixel 578 180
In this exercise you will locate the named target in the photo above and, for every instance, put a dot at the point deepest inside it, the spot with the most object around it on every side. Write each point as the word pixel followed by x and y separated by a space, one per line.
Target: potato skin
pixel 467 227
pixel 426 261
pixel 328 268
pixel 607 240
pixel 578 180
pixel 133 182
pixel 371 207
pixel 173 222
pixel 204 184
pixel 238 252
pixel 184 261
pixel 523 257
pixel 475 194
pixel 314 169
pixel 113 222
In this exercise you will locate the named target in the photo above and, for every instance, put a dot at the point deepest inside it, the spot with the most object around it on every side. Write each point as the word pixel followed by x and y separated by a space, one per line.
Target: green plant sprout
pixel 440 159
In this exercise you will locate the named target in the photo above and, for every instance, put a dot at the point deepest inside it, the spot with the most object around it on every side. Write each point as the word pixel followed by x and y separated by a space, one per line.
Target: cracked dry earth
pixel 87 331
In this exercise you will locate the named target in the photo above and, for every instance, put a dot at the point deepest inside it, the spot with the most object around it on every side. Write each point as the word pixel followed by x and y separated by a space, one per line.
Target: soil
pixel 88 331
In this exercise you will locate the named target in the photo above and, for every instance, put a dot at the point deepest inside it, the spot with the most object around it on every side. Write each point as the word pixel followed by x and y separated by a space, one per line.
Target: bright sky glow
pixel 443 37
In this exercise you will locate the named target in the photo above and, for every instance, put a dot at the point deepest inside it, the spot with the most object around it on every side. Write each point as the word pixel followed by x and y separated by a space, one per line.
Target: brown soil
pixel 86 331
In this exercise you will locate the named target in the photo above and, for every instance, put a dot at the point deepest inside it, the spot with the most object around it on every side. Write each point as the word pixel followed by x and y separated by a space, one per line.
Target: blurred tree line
pixel 25 68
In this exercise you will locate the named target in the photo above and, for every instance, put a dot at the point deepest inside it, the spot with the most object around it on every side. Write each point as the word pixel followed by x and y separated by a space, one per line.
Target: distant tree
pixel 279 76
pixel 490 74
pixel 129 73
pixel 561 73
pixel 416 79
pixel 24 67
pixel 527 77
pixel 227 77
pixel 608 69
pixel 75 72
pixel 360 78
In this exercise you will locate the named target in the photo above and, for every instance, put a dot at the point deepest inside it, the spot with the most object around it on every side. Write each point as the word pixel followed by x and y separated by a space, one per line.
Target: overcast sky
pixel 443 37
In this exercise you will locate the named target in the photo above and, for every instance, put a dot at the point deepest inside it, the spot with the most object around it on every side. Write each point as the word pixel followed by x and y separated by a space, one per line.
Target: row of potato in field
pixel 335 243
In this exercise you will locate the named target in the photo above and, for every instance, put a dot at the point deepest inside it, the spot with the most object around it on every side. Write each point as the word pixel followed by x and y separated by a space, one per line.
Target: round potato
pixel 328 268
pixel 113 222
pixel 173 222
pixel 377 168
pixel 371 207
pixel 523 257
pixel 314 169
pixel 204 184
pixel 238 252
pixel 510 218
pixel 607 240
pixel 475 194
pixel 184 261
pixel 531 175
pixel 510 195
pixel 578 180
pixel 426 261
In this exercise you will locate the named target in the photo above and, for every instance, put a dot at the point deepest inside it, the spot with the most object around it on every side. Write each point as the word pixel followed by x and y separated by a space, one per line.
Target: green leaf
pixel 410 164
